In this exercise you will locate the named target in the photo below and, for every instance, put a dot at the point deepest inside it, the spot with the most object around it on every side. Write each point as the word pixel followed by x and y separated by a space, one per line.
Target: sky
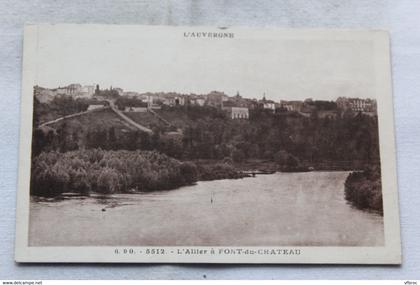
pixel 284 65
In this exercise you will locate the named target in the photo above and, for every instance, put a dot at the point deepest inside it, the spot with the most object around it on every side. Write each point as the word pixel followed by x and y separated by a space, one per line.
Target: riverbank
pixel 106 172
pixel 83 172
pixel 271 166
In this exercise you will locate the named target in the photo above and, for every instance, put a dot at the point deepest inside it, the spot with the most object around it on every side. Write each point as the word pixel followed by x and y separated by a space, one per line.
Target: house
pixel 252 104
pixel 74 89
pixel 357 104
pixel 88 90
pixel 216 99
pixel 198 101
pixel 292 106
pixel 135 109
pixel 174 100
pixel 180 100
pixel 236 112
pixel 267 104
pixel 61 91
pixel 237 100
pixel 239 113
pixel 271 105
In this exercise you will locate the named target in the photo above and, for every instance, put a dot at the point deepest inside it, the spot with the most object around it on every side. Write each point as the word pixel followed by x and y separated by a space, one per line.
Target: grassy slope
pixel 144 118
pixel 105 118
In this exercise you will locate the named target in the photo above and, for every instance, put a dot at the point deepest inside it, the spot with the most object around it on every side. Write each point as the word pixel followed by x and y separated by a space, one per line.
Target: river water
pixel 281 209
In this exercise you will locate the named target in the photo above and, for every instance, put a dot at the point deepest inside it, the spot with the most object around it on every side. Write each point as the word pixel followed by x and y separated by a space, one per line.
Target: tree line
pixel 100 171
pixel 96 170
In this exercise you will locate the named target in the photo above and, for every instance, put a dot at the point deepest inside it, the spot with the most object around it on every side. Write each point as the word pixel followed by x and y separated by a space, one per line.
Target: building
pixel 252 104
pixel 363 105
pixel 357 104
pixel 180 100
pixel 62 91
pixel 267 104
pixel 174 99
pixel 88 90
pixel 197 101
pixel 236 112
pixel 74 89
pixel 271 105
pixel 292 106
pixel 95 106
pixel 216 99
pixel 236 100
pixel 135 109
pixel 239 112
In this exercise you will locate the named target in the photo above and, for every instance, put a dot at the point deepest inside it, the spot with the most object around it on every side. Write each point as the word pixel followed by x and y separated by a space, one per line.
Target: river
pixel 281 209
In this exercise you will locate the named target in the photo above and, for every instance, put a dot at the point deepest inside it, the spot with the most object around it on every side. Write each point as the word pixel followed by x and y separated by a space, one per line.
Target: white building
pixel 87 91
pixel 356 104
pixel 237 112
pixel 269 105
pixel 95 106
pixel 135 109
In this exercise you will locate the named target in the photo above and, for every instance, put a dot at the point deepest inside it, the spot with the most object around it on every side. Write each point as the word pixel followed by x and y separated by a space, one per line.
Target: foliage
pixel 363 189
pixel 349 141
pixel 125 101
pixel 100 171
pixel 60 106
pixel 218 171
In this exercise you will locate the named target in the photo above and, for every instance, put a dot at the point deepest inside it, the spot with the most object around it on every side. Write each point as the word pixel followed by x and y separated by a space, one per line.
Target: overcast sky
pixel 284 67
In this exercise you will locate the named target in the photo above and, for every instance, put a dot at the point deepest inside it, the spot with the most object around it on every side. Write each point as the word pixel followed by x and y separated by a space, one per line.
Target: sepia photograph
pixel 174 142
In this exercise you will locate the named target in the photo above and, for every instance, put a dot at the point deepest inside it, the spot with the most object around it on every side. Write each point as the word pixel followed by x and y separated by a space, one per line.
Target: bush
pixel 108 181
pixel 363 189
pixel 100 171
pixel 189 172
pixel 287 161
pixel 218 171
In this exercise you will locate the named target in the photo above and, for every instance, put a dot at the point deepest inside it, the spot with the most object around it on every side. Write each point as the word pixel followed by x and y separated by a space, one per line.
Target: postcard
pixel 159 144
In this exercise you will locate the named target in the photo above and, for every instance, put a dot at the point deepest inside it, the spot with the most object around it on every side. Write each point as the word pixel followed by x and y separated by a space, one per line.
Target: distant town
pixel 236 106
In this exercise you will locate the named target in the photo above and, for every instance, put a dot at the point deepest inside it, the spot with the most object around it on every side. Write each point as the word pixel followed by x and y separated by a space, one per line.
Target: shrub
pixel 218 171
pixel 100 171
pixel 363 189
pixel 189 172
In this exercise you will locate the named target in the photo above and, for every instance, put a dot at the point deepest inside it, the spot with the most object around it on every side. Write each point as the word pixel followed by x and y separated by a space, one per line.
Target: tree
pixel 189 172
pixel 108 181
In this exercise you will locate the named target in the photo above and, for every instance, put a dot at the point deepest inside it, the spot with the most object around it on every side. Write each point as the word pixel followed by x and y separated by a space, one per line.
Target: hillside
pixel 59 106
pixel 146 119
pixel 101 128
pixel 286 139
